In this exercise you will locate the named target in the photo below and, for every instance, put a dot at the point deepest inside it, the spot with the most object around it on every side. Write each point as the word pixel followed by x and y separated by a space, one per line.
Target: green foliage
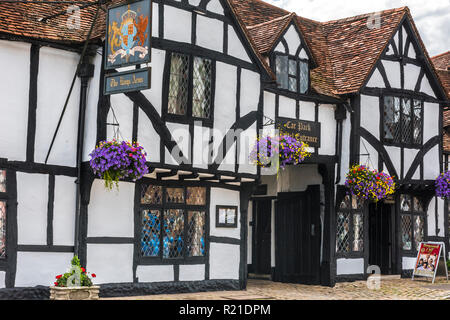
pixel 448 264
pixel 85 280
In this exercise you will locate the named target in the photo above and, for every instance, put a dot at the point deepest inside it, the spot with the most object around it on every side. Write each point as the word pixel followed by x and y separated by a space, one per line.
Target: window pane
pixel 281 68
pixel 196 196
pixel 343 229
pixel 151 194
pixel 2 181
pixel 346 203
pixel 417 123
pixel 151 228
pixel 293 84
pixel 292 67
pixel 175 195
pixel 406 226
pixel 392 119
pixel 196 234
pixel 178 84
pixel 418 231
pixel 304 76
pixel 358 230
pixel 201 96
pixel 2 229
pixel 407 121
pixel 405 202
pixel 417 204
pixel 173 234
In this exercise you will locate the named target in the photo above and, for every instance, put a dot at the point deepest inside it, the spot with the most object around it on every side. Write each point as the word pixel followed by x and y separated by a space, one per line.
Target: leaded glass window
pixel 178 84
pixel 350 226
pixel 173 222
pixel 2 180
pixel 292 74
pixel 403 120
pixel 2 229
pixel 412 222
pixel 201 99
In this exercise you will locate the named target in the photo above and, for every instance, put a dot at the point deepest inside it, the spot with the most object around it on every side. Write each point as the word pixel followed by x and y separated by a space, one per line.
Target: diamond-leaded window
pixel 173 222
pixel 178 84
pixel 292 74
pixel 412 222
pixel 350 226
pixel 201 96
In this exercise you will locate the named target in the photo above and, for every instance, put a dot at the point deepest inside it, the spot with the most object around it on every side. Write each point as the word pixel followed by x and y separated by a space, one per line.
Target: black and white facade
pixel 209 87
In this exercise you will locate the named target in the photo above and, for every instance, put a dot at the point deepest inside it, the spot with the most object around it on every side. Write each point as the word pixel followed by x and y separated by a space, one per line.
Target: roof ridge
pixel 356 17
pixel 271 21
pixel 440 54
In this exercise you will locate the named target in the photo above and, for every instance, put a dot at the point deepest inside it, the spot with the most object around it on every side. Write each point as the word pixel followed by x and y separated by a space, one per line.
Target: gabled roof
pixel 442 61
pixel 442 64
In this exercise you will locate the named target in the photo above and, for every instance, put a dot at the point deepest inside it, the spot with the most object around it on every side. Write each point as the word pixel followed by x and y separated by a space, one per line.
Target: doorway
pixel 381 235
pixel 262 236
pixel 297 237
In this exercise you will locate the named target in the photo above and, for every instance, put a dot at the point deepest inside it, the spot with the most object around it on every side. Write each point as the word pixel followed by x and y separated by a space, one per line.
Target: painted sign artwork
pixel 127 81
pixel 306 131
pixel 427 259
pixel 129 34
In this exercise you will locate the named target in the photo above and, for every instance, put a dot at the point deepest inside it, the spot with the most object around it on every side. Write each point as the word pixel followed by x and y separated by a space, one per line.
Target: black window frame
pixel 187 118
pixel 362 211
pixel 227 225
pixel 160 260
pixel 297 60
pixel 412 213
pixel 392 142
pixel 5 198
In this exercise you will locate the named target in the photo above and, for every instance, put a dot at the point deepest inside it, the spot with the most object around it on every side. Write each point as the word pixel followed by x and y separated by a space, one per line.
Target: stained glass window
pixel 350 226
pixel 2 229
pixel 175 195
pixel 151 230
pixel 173 233
pixel 412 222
pixel 196 234
pixel 151 194
pixel 196 196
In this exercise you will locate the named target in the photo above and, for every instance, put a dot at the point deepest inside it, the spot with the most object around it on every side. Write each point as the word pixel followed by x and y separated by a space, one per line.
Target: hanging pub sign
pixel 127 81
pixel 306 131
pixel 428 257
pixel 129 33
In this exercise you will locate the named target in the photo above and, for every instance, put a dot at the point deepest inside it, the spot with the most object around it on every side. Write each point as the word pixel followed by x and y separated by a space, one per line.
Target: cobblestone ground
pixel 391 289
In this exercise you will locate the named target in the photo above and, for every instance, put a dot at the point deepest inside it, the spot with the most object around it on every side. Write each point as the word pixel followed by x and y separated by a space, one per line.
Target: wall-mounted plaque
pixel 127 81
pixel 306 131
pixel 226 216
pixel 128 29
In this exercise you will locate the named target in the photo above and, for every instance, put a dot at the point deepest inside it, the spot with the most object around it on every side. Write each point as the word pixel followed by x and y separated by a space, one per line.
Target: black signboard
pixel 306 131
pixel 127 81
pixel 128 29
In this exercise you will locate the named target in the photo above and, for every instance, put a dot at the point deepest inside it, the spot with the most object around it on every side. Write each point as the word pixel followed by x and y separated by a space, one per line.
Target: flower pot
pixel 74 293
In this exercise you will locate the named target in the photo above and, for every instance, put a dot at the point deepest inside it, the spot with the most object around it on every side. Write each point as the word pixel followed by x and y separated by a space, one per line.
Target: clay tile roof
pixel 442 61
pixel 442 64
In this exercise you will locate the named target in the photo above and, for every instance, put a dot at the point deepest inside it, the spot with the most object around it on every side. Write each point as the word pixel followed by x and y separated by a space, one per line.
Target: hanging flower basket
pixel 442 185
pixel 290 151
pixel 114 160
pixel 369 184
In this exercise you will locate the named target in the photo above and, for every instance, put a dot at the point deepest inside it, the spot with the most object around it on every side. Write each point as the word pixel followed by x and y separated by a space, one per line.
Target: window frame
pixel 140 208
pixel 412 213
pixel 227 225
pixel 187 118
pixel 297 60
pixel 411 144
pixel 5 198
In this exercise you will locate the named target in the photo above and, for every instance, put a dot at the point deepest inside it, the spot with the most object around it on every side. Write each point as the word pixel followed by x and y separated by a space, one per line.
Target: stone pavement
pixel 391 289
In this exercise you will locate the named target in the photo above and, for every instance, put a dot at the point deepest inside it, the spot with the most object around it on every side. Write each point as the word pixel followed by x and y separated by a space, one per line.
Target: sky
pixel 432 17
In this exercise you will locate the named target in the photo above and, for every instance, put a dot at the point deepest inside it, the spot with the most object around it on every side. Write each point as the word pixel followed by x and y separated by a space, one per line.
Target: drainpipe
pixel 86 71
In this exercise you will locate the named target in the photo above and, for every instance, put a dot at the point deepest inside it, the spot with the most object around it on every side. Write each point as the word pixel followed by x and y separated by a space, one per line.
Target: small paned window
pixel 412 222
pixel 226 216
pixel 292 74
pixel 403 119
pixel 190 86
pixel 3 210
pixel 350 226
pixel 173 221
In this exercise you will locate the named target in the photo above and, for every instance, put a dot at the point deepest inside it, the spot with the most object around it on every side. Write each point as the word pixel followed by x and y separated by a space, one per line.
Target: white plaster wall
pixel 224 197
pixel 303 54
pixel 200 153
pixel 112 263
pixel 409 156
pixel 228 163
pixel 327 130
pixel 370 115
pixel 123 109
pixel 32 199
pixel 431 218
pixel 247 141
pixel 155 273
pixel 148 138
pixel 14 88
pixel 2 279
pixel 177 24
pixel 371 160
pixel 412 52
pixel 224 261
pixel 293 40
pixel 408 263
pixel 426 87
pixel 111 212
pixel 441 217
pixel 269 105
pixel 307 110
pixel 250 91
pixel 345 156
pixel 215 6
pixel 395 155
pixel 430 121
pixel 280 48
pixel 194 272
pixel 431 164
pixel 396 39
pixel 154 93
pixel 209 33
pixel 64 211
pixel 40 268
pixel 155 21
pixel 376 80
pixel 58 68
pixel 180 134
pixel 298 178
pixel 411 75
pixel 349 266
pixel 392 69
pixel 287 107
pixel 235 46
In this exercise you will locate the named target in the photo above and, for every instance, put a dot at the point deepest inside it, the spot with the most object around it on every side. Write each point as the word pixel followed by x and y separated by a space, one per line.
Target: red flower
pixel 93 275
pixel 130 154
pixel 83 270
pixel 56 283
pixel 59 276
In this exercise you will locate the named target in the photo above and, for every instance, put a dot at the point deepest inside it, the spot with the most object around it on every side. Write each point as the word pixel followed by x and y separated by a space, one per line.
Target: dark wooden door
pixel 298 234
pixel 380 237
pixel 263 236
